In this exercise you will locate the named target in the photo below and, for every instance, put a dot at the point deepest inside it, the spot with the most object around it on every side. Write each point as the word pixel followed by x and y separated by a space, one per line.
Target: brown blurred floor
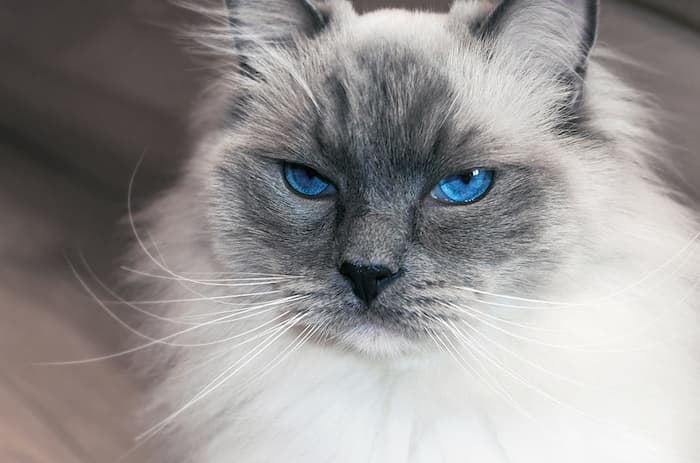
pixel 55 414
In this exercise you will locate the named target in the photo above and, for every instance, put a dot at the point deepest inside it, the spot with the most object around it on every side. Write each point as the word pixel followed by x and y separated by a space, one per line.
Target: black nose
pixel 367 281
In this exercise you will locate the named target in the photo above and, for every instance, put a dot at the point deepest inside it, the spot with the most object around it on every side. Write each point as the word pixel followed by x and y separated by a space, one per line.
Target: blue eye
pixel 306 181
pixel 465 188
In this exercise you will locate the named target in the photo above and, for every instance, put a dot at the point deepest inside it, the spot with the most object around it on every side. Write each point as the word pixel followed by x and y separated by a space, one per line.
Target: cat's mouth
pixel 380 340
pixel 379 332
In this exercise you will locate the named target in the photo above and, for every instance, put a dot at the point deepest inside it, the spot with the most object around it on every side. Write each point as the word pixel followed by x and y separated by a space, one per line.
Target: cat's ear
pixel 259 23
pixel 276 20
pixel 555 34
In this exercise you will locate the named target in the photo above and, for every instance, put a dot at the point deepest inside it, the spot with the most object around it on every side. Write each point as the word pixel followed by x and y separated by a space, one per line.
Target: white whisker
pixel 295 345
pixel 532 364
pixel 106 288
pixel 594 301
pixel 480 350
pixel 548 396
pixel 245 281
pixel 488 379
pixel 221 379
pixel 583 348
pixel 120 301
pixel 230 348
pixel 144 249
pixel 164 338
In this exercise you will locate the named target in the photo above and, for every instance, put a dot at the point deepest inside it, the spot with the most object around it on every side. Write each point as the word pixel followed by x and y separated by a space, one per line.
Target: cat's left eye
pixel 464 188
pixel 306 181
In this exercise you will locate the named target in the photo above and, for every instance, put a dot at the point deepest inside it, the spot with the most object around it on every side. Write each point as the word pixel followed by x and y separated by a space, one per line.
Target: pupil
pixel 309 174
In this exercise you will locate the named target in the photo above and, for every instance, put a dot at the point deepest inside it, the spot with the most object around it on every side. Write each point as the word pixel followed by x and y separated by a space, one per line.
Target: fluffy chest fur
pixel 515 403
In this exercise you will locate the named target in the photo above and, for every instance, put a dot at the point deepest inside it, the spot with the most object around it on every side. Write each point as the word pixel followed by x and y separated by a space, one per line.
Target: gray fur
pixel 385 131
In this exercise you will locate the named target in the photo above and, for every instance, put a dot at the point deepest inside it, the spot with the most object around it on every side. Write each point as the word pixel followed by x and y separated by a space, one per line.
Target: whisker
pixel 252 274
pixel 160 340
pixel 488 379
pixel 583 348
pixel 132 304
pixel 559 403
pixel 454 352
pixel 639 331
pixel 239 335
pixel 154 431
pixel 139 239
pixel 106 309
pixel 470 311
pixel 248 309
pixel 271 330
pixel 104 286
pixel 121 301
pixel 510 322
pixel 612 295
pixel 601 346
pixel 204 296
pixel 532 364
pixel 287 352
pixel 246 281
pixel 220 380
pixel 480 350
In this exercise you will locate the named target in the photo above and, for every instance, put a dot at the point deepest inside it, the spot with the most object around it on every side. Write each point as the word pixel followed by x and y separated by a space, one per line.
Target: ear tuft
pixel 259 23
pixel 555 34
pixel 277 20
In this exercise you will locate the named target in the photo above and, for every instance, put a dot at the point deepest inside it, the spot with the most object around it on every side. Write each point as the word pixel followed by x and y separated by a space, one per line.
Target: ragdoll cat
pixel 416 237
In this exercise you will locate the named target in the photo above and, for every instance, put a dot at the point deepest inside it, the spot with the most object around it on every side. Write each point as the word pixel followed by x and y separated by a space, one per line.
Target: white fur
pixel 607 373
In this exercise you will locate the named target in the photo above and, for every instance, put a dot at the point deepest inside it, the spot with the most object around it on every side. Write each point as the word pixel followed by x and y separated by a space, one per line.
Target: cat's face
pixel 390 172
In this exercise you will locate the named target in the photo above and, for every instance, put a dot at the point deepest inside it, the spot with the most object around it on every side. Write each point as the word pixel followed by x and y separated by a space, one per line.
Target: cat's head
pixel 395 159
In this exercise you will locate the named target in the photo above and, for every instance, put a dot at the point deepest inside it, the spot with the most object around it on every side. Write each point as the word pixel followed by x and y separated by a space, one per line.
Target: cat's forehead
pixel 408 87
pixel 386 101
pixel 404 93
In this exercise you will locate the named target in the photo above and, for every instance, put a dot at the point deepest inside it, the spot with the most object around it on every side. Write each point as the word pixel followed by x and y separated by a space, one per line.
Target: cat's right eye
pixel 306 181
pixel 465 188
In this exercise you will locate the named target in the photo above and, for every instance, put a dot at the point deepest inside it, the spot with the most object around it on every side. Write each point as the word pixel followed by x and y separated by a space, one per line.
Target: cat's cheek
pixel 283 230
pixel 301 226
pixel 471 246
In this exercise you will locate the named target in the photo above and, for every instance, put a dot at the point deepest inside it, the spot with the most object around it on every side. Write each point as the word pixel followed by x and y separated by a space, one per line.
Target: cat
pixel 420 237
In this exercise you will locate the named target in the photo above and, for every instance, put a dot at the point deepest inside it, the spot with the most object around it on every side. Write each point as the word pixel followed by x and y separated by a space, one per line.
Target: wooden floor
pixel 85 413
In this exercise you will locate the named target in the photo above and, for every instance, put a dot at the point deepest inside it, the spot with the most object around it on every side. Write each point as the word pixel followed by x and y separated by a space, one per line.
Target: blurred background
pixel 86 89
